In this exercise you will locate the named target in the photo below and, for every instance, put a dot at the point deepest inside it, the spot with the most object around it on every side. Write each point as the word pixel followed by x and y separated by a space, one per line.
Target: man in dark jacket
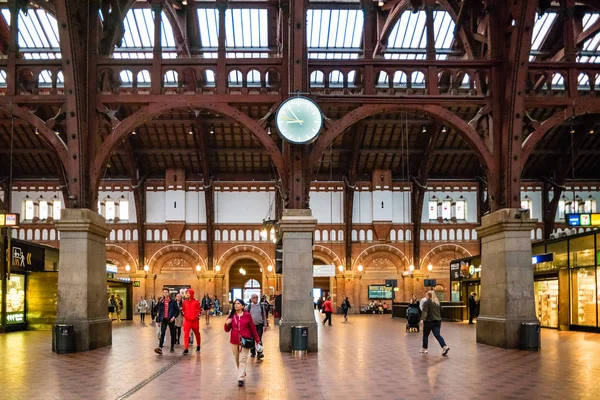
pixel 472 307
pixel 167 311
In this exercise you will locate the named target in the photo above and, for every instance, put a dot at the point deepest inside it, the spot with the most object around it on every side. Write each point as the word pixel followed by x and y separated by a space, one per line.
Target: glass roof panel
pixel 410 35
pixel 138 39
pixel 334 34
pixel 543 24
pixel 593 43
pixel 246 28
pixel 38 34
pixel 208 24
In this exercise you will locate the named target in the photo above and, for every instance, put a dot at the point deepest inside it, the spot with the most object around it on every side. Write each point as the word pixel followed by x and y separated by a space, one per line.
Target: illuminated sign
pixel 9 220
pixel 24 256
pixel 323 270
pixel 586 219
pixel 540 258
pixel 136 283
pixel 111 268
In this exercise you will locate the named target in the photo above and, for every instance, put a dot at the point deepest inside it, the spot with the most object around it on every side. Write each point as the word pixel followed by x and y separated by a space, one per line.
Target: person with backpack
pixel 261 321
pixel 345 307
pixel 431 319
pixel 328 310
pixel 206 304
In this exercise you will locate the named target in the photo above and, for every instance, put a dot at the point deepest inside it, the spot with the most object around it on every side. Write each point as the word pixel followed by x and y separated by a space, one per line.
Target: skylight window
pixel 408 38
pixel 138 40
pixel 542 26
pixel 591 45
pixel 38 34
pixel 208 23
pixel 334 34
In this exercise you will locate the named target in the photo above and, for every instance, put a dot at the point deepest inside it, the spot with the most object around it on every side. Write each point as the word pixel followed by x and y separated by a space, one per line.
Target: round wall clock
pixel 299 120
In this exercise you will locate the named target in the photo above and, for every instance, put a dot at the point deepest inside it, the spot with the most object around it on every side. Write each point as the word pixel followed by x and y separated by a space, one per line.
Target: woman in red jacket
pixel 327 309
pixel 240 324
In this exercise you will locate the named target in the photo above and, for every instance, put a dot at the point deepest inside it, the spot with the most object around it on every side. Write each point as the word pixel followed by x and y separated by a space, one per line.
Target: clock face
pixel 299 120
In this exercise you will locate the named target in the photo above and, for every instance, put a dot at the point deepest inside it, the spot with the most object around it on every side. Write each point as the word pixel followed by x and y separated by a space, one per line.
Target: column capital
pixel 297 220
pixel 82 220
pixel 506 219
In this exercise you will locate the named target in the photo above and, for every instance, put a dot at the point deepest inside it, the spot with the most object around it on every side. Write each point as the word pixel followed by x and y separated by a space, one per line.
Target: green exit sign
pixel 136 283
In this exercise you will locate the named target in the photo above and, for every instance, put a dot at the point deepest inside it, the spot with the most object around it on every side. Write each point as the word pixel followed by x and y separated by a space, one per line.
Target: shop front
pixel 122 289
pixel 23 298
pixel 465 278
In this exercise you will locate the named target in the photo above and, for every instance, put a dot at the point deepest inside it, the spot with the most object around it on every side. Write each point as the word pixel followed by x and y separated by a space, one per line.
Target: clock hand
pixel 298 121
pixel 295 116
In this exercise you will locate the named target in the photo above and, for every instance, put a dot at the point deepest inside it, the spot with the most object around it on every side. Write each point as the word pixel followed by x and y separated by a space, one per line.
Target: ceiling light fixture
pixel 36 131
pixel 380 3
pixel 411 268
pixel 572 131
pixel 212 129
pixel 269 129
pixel 191 131
pixel 591 131
pixel 198 268
pixel 133 132
pixel 127 267
pixel 430 267
pixel 444 129
pixel 57 133
pixel 360 268
pixel 423 129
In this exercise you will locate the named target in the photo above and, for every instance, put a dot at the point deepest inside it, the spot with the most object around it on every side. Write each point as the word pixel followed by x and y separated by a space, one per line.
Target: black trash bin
pixel 299 339
pixel 64 339
pixel 530 336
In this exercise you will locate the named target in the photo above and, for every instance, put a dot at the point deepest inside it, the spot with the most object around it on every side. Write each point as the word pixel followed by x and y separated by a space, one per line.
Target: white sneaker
pixel 423 351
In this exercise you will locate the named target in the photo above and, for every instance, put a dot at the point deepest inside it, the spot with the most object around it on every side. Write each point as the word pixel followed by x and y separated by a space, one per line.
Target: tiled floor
pixel 369 357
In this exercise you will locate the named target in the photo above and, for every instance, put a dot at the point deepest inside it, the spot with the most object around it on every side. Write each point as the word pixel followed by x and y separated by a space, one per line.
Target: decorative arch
pixel 237 253
pixel 124 128
pixel 381 251
pixel 460 251
pixel 121 255
pixel 467 132
pixel 183 251
pixel 535 137
pixel 326 255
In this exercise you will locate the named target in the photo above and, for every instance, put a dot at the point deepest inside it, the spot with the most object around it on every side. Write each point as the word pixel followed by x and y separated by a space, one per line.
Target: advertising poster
pixel 15 299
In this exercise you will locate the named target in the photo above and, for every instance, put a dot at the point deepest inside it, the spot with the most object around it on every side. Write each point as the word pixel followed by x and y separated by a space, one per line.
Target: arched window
pixel 336 79
pixel 171 79
pixel 577 205
pixel 253 78
pixel 461 209
pixel 45 79
pixel 56 208
pixel 126 77
pixel 225 235
pixel 316 79
pixel 563 207
pixel 325 235
pixel 43 213
pixel 235 78
pixel 28 209
pixel 203 235
pixel 526 204
pixel 393 235
pixel 447 208
pixel 590 205
pixel 317 236
pixel 433 208
pixel 144 79
pixel 123 209
pixel 217 235
pixel 109 208
pixel 165 235
pixel 382 79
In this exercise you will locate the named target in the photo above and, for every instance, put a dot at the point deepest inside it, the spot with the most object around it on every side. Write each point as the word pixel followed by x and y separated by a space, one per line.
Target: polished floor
pixel 368 357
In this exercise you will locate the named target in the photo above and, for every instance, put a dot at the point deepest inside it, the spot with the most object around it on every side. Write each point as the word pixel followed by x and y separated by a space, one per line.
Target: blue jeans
pixel 434 326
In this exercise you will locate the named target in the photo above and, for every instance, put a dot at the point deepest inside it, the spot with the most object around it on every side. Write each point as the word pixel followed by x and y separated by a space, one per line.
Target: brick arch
pixel 173 251
pixel 122 256
pixel 466 132
pixel 535 137
pixel 123 130
pixel 326 255
pixel 381 251
pixel 244 251
pixel 443 249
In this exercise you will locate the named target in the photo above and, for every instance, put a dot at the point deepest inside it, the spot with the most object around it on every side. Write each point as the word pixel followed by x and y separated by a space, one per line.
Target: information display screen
pixel 381 292
pixel 15 299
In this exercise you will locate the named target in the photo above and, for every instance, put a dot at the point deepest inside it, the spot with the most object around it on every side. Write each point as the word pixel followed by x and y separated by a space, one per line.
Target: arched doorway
pixel 245 278
pixel 321 284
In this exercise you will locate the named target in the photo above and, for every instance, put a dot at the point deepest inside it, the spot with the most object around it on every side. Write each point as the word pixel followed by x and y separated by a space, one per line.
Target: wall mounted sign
pixel 587 219
pixel 323 270
pixel 9 220
pixel 25 256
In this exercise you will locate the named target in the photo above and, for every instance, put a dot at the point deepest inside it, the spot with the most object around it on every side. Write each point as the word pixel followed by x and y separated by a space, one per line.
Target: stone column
pixel 297 278
pixel 507 298
pixel 82 298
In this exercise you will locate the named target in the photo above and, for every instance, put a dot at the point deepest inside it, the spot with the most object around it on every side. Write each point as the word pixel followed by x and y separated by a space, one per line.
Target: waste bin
pixel 299 339
pixel 64 339
pixel 530 336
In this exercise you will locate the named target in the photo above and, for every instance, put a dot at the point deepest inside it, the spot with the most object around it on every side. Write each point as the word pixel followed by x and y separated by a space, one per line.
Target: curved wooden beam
pixel 447 117
pixel 50 138
pixel 181 42
pixel 124 128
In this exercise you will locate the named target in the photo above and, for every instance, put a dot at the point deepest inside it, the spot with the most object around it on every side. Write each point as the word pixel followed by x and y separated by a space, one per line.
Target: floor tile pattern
pixel 368 357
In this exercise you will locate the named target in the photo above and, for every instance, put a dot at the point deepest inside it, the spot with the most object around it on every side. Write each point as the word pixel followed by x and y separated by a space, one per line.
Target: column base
pixel 90 334
pixel 499 331
pixel 285 335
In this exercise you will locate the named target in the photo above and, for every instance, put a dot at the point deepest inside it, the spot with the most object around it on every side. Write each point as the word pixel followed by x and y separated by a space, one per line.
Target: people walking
pixel 414 300
pixel 320 304
pixel 431 318
pixel 243 336
pixel 179 318
pixel 191 321
pixel 345 307
pixel 206 304
pixel 167 311
pixel 119 302
pixel 112 306
pixel 472 307
pixel 327 309
pixel 152 307
pixel 142 309
pixel 260 318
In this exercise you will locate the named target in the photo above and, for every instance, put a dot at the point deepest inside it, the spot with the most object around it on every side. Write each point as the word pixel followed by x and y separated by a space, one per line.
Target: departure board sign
pixel 587 219
pixel 9 220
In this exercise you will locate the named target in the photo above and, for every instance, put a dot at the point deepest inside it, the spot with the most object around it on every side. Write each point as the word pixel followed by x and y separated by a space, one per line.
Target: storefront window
pixel 15 299
pixel 583 297
pixel 538 249
pixel 559 249
pixel 582 251
pixel 546 302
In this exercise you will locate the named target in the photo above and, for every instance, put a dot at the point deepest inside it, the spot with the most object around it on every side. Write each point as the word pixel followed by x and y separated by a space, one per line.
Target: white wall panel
pixel 327 207
pixel 242 207
pixel 155 207
pixel 362 212
pixel 382 205
pixel 195 208
pixel 401 207
pixel 175 205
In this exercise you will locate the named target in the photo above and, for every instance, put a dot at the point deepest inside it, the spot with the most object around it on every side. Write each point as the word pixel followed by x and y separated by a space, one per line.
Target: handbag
pixel 247 343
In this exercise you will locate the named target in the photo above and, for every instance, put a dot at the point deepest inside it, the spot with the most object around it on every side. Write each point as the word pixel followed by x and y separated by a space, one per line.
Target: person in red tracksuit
pixel 327 309
pixel 191 317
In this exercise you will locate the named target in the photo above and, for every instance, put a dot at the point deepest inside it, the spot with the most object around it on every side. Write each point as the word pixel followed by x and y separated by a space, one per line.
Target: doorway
pixel 245 279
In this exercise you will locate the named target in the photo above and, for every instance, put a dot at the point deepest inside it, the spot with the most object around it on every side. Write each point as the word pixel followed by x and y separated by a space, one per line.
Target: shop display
pixel 15 299
pixel 546 302
pixel 583 297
